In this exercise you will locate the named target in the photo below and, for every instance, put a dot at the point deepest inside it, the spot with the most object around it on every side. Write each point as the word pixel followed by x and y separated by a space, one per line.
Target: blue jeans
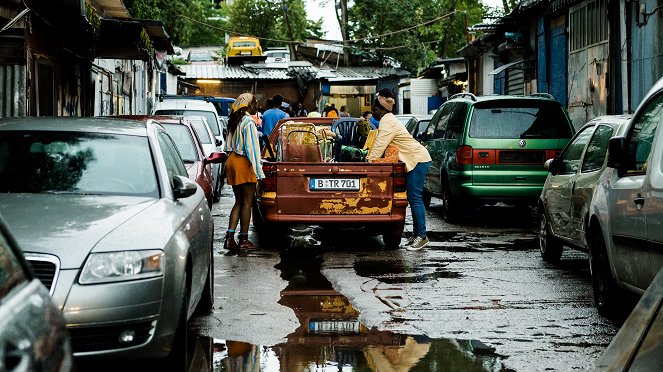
pixel 415 187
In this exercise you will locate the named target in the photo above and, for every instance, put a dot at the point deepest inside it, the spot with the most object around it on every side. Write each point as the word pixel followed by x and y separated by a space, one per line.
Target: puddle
pixel 330 336
pixel 391 272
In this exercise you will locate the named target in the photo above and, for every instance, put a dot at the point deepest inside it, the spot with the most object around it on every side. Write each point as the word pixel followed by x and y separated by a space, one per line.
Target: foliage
pixel 419 46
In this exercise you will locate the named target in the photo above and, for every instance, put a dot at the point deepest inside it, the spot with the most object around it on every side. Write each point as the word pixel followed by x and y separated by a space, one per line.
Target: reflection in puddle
pixel 391 272
pixel 331 338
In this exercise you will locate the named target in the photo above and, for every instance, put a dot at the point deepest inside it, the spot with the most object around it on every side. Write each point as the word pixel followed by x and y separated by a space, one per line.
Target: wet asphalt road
pixel 479 297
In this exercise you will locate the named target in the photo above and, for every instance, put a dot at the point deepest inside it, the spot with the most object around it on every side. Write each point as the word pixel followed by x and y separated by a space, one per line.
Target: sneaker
pixel 418 243
pixel 410 240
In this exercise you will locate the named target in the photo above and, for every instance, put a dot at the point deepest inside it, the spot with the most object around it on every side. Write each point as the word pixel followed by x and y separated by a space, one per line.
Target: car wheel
pixel 607 294
pixel 177 356
pixel 550 246
pixel 426 197
pixel 449 209
pixel 392 239
pixel 206 303
pixel 216 194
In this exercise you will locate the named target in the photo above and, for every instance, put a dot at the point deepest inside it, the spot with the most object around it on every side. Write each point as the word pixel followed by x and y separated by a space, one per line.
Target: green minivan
pixel 490 149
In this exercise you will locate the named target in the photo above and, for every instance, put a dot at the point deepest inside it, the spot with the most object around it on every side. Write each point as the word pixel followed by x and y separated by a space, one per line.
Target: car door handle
pixel 639 200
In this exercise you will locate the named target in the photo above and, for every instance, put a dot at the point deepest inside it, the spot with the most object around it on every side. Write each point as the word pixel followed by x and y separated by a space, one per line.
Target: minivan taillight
pixel 400 174
pixel 268 184
pixel 464 155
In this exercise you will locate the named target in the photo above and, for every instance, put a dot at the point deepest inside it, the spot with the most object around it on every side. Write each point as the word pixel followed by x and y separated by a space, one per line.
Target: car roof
pixel 184 103
pixel 499 97
pixel 76 124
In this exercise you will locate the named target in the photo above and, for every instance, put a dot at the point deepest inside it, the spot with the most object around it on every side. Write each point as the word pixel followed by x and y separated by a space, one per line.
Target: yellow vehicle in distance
pixel 244 49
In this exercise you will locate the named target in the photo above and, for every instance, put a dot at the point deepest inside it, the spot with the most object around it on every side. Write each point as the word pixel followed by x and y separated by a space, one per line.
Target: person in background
pixel 343 113
pixel 333 108
pixel 369 116
pixel 243 168
pixel 300 111
pixel 330 111
pixel 273 115
pixel 412 153
pixel 313 114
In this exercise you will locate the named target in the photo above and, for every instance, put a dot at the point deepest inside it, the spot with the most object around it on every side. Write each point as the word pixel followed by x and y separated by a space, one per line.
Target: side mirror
pixel 552 166
pixel 183 187
pixel 217 141
pixel 216 157
pixel 617 152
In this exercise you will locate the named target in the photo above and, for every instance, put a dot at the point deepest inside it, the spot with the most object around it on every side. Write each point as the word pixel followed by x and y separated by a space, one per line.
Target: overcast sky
pixel 316 9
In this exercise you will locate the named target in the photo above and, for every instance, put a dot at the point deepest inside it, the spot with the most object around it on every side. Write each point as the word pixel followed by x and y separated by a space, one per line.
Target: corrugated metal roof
pixel 270 72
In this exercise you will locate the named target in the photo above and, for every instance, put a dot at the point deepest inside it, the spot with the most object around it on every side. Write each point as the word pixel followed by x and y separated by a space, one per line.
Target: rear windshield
pixel 244 44
pixel 519 119
pixel 208 115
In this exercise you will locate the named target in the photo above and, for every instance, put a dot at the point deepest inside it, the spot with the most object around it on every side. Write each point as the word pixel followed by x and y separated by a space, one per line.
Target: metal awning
pixel 507 66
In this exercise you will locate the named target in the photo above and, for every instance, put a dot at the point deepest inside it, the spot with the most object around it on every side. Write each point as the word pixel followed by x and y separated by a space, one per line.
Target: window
pixel 456 121
pixel 596 149
pixel 571 156
pixel 541 119
pixel 184 141
pixel 641 136
pixel 171 157
pixel 588 24
pixel 441 126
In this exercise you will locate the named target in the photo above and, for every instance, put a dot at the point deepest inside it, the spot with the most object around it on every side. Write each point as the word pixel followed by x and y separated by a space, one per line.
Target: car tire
pixel 177 355
pixel 216 194
pixel 206 303
pixel 392 239
pixel 426 198
pixel 608 296
pixel 549 246
pixel 450 211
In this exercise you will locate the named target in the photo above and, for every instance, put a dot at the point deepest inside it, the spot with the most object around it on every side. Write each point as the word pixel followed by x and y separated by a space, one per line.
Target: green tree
pixel 267 19
pixel 411 39
pixel 176 15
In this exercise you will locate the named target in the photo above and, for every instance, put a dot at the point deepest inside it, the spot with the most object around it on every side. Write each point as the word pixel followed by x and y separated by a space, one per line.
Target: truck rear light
pixel 483 157
pixel 464 155
pixel 400 174
pixel 268 184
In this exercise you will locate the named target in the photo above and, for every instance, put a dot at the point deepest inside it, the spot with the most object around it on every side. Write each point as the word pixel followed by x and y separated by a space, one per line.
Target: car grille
pixel 86 339
pixel 46 269
pixel 522 157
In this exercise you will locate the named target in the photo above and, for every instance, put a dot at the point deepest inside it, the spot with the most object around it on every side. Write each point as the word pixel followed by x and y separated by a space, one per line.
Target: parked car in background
pixel 418 124
pixel 626 214
pixel 277 56
pixel 244 49
pixel 197 163
pixel 491 149
pixel 567 193
pixel 111 224
pixel 172 105
pixel 33 336
pixel 404 118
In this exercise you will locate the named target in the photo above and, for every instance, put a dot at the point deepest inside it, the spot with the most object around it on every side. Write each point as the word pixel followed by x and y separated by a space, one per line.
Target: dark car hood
pixel 68 226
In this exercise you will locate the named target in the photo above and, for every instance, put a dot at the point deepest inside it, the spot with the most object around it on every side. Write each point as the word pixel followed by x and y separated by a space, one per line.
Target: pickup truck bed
pixel 336 194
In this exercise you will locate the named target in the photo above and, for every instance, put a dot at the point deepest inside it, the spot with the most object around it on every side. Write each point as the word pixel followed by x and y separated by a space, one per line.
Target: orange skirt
pixel 239 170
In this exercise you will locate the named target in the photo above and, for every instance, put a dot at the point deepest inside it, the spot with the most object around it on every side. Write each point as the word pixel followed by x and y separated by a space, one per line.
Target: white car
pixel 625 234
pixel 171 105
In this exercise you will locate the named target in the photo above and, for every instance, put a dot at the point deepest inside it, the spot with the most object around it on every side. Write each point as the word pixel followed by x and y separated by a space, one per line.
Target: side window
pixel 441 126
pixel 641 138
pixel 456 121
pixel 571 156
pixel 596 149
pixel 172 158
pixel 11 272
pixel 433 123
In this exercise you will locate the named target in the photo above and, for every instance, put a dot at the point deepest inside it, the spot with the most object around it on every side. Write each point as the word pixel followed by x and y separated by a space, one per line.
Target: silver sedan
pixel 111 224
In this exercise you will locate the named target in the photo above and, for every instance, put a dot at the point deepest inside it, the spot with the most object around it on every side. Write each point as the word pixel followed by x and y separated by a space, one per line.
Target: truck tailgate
pixel 334 188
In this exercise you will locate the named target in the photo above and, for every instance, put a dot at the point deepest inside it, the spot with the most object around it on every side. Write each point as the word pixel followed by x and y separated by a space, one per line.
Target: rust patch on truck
pixel 351 206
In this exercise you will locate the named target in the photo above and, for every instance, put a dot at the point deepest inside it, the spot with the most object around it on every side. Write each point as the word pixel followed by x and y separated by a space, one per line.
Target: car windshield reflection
pixel 77 163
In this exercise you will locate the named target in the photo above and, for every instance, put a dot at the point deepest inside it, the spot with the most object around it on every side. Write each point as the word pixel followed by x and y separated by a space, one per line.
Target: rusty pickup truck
pixel 306 184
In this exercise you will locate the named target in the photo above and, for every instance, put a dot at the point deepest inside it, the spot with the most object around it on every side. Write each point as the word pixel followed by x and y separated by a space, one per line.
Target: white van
pixel 625 234
pixel 194 107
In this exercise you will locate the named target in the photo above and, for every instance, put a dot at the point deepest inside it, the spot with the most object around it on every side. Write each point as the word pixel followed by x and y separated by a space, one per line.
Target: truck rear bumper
pixel 269 213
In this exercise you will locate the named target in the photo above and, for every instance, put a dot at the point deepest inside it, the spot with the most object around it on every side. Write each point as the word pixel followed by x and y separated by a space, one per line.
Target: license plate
pixel 337 327
pixel 344 184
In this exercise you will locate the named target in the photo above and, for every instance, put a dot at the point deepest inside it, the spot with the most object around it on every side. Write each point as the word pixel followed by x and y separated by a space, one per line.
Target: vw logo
pixel 522 143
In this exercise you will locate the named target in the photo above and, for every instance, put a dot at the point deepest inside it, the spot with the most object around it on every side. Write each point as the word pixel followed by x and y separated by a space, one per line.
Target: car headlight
pixel 121 266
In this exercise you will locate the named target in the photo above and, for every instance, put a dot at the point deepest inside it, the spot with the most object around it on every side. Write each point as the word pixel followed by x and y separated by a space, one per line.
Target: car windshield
pixel 519 119
pixel 183 140
pixel 76 163
pixel 201 130
pixel 208 115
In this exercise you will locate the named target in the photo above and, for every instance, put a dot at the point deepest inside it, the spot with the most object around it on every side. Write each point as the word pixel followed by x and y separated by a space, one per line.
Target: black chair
pixel 347 134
